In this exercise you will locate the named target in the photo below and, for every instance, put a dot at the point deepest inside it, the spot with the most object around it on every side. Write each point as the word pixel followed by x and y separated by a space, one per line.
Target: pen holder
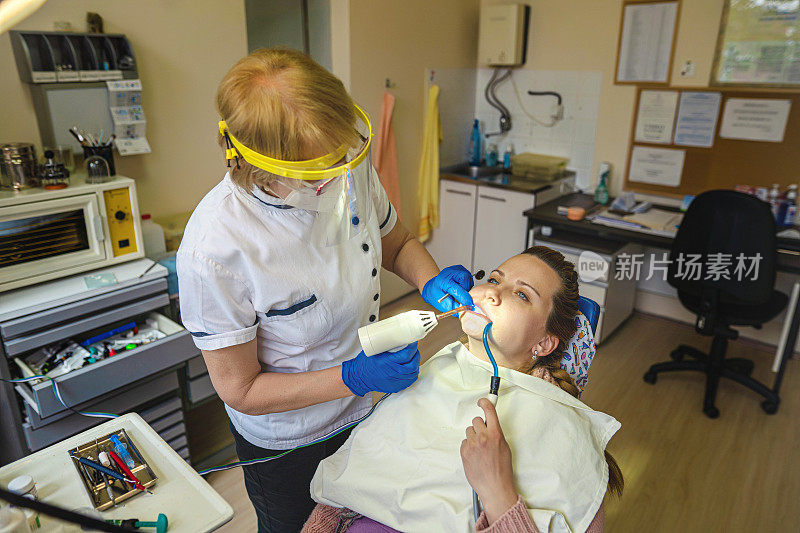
pixel 106 152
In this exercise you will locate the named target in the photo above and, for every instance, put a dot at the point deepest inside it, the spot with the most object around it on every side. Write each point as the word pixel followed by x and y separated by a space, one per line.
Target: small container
pixel 104 151
pixel 155 246
pixel 19 166
pixel 26 487
pixel 97 170
pixel 54 175
pixel 491 156
pixel 507 157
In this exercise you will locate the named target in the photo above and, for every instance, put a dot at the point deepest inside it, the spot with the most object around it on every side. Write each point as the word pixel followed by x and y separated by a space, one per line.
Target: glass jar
pixel 97 170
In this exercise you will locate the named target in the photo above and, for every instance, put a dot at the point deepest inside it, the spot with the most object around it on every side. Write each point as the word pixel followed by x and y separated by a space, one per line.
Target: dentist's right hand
pixel 383 372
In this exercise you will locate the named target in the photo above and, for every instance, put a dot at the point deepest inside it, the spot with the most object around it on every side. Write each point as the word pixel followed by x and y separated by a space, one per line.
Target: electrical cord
pixel 91 414
pixel 317 441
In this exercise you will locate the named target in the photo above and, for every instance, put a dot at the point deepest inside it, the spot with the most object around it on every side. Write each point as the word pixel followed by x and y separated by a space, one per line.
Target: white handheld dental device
pixel 400 330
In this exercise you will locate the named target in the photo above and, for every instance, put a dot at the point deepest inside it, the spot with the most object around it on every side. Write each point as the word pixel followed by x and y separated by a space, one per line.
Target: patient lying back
pixel 538 460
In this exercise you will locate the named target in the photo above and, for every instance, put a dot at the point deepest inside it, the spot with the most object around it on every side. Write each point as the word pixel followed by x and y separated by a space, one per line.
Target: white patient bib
pixel 402 466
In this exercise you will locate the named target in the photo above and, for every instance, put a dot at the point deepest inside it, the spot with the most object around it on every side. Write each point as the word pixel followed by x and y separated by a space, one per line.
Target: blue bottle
pixel 475 145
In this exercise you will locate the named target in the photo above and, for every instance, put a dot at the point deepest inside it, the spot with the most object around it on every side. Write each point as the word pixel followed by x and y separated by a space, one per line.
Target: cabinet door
pixel 451 241
pixel 499 226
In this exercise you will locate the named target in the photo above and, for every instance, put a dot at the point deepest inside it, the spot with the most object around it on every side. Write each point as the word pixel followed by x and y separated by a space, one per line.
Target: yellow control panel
pixel 120 221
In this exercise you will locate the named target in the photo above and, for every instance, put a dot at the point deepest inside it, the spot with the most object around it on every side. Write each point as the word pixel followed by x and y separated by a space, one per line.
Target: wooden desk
pixel 788 259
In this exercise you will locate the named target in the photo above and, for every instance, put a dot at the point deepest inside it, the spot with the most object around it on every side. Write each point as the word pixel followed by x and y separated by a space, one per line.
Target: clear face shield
pixel 334 187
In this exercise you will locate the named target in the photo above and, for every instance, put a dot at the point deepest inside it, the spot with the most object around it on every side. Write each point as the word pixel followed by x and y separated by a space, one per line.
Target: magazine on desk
pixel 654 222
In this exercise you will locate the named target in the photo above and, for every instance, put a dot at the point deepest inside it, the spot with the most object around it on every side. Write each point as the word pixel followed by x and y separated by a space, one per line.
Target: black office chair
pixel 726 222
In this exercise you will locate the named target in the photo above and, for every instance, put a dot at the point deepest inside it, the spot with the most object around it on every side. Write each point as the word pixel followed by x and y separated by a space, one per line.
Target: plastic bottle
pixel 475 145
pixel 507 157
pixel 12 520
pixel 601 192
pixel 155 246
pixel 789 207
pixel 774 201
pixel 491 156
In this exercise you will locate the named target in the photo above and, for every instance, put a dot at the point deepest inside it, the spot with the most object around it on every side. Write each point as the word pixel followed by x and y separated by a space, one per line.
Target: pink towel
pixel 386 153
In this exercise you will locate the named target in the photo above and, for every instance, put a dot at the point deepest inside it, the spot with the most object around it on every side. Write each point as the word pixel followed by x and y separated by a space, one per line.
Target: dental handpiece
pixel 400 330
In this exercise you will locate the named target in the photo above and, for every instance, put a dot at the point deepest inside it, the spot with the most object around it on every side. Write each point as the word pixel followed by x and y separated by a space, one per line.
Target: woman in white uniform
pixel 278 268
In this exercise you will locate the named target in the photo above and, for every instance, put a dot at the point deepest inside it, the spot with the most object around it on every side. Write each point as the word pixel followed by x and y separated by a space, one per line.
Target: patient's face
pixel 517 298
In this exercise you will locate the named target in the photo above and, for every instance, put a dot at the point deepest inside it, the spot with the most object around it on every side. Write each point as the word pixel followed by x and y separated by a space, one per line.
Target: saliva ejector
pixel 400 330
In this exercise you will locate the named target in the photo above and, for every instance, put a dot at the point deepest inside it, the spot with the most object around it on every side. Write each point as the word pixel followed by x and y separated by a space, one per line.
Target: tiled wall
pixel 572 137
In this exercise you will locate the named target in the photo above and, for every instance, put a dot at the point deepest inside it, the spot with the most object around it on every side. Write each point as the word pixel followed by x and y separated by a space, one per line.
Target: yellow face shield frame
pixel 309 170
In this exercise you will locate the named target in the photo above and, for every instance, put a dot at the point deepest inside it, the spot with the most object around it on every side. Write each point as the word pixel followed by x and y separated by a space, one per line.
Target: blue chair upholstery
pixel 591 311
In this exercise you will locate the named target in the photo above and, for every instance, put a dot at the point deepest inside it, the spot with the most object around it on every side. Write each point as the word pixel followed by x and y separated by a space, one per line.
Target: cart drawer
pixel 41 435
pixel 173 433
pixel 201 388
pixel 114 372
pixel 29 342
pixel 156 412
pixel 89 306
pixel 196 367
pixel 178 443
pixel 168 421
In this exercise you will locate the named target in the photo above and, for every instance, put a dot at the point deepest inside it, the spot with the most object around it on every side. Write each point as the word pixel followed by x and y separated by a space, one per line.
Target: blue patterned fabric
pixel 580 352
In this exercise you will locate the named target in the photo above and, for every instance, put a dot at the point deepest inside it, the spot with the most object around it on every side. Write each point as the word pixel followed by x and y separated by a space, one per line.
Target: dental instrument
pixel 400 330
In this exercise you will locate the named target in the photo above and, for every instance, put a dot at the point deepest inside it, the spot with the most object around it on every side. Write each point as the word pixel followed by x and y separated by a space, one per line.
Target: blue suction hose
pixel 494 388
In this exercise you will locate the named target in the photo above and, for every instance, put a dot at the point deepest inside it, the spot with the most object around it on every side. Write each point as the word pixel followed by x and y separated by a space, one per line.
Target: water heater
pixel 503 35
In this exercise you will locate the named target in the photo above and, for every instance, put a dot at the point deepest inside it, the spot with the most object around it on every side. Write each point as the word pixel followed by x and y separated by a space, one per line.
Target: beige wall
pixel 583 35
pixel 400 40
pixel 183 48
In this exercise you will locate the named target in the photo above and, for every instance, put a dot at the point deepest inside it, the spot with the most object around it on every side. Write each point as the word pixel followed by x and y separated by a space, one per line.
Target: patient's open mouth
pixel 473 322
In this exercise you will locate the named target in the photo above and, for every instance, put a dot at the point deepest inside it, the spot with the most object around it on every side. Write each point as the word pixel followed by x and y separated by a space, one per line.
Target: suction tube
pixel 494 384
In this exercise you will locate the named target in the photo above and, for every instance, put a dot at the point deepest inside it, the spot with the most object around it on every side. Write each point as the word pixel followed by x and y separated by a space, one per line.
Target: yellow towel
pixel 429 168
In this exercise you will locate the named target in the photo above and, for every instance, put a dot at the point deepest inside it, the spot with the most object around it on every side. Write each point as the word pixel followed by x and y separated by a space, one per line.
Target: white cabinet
pixel 451 242
pixel 499 226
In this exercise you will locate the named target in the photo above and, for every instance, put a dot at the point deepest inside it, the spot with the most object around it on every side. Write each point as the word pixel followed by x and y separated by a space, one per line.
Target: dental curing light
pixel 400 330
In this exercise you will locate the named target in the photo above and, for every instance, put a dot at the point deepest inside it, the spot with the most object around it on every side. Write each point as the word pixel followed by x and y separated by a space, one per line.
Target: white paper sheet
pixel 697 118
pixel 659 166
pixel 646 47
pixel 755 119
pixel 656 116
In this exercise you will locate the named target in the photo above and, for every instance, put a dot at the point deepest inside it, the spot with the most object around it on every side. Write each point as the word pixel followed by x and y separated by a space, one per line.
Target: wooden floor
pixel 683 471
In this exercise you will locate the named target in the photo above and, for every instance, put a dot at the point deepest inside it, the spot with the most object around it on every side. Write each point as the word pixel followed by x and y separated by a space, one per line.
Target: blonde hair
pixel 282 104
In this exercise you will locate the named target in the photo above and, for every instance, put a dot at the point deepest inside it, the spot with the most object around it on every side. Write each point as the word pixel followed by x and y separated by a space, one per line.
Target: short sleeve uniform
pixel 247 269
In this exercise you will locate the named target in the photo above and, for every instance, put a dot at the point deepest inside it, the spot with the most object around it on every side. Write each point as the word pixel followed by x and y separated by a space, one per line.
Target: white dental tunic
pixel 247 269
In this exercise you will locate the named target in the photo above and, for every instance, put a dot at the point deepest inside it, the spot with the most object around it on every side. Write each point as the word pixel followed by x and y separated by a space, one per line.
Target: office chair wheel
pixel 769 407
pixel 711 412
pixel 650 377
pixel 676 355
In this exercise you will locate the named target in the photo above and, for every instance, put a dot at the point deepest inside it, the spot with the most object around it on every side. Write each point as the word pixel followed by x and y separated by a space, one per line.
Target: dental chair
pixel 591 310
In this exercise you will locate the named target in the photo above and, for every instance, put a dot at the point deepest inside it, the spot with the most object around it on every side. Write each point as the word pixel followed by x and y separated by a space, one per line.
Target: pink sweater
pixel 324 519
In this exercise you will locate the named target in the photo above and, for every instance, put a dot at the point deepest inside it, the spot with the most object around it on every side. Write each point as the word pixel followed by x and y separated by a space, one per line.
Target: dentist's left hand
pixel 454 280
pixel 383 372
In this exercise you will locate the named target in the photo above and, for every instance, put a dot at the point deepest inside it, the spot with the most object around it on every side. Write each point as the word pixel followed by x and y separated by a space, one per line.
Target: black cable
pixel 491 97
pixel 546 93
pixel 60 513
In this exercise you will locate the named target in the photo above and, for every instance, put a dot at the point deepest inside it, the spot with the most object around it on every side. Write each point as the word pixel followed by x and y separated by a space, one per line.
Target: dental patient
pixel 537 462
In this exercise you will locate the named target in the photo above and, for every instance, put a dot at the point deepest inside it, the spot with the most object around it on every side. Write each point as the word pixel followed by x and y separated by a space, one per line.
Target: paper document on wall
pixel 755 119
pixel 656 116
pixel 646 47
pixel 659 166
pixel 697 118
pixel 127 114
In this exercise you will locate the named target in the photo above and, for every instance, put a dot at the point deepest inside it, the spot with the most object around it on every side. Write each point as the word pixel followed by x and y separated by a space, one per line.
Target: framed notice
pixel 644 55
pixel 759 44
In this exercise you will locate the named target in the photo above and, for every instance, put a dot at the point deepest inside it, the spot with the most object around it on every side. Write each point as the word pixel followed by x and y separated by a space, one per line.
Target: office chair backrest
pixel 591 310
pixel 730 223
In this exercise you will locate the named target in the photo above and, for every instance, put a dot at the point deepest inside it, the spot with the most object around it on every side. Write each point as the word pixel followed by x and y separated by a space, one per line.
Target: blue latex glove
pixel 383 372
pixel 454 280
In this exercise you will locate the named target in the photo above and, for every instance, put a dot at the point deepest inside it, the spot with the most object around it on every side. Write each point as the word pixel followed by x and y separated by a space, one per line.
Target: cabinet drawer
pixel 42 433
pixel 177 444
pixel 196 367
pixel 156 412
pixel 593 292
pixel 35 340
pixel 114 372
pixel 173 432
pixel 168 421
pixel 201 388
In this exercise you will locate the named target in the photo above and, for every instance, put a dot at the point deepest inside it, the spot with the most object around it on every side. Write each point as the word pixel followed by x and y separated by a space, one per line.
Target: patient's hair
pixel 561 323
